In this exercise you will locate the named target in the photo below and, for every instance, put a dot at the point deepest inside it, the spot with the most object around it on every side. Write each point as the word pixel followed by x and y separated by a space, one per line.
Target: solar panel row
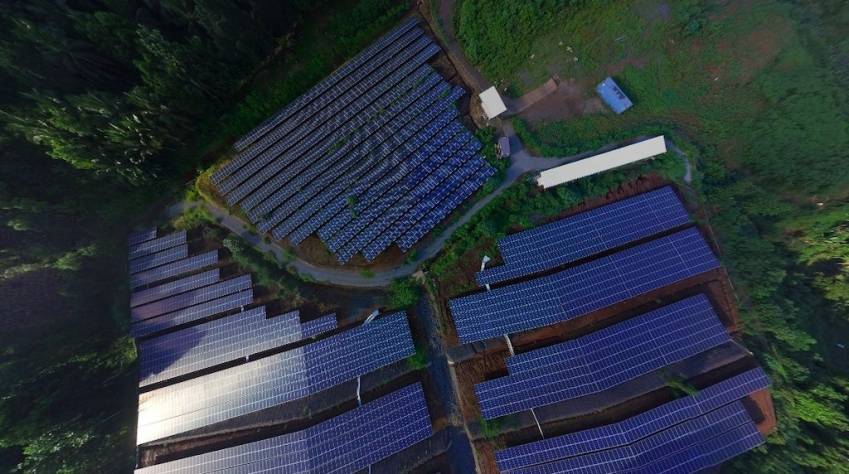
pixel 159 258
pixel 273 380
pixel 587 233
pixel 191 314
pixel 349 442
pixel 634 428
pixel 320 88
pixel 190 298
pixel 180 267
pixel 603 359
pixel 138 237
pixel 582 289
pixel 157 245
pixel 222 340
pixel 306 105
pixel 175 287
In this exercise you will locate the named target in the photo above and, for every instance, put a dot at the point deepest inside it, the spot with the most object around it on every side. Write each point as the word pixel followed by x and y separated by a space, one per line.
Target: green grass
pixel 419 360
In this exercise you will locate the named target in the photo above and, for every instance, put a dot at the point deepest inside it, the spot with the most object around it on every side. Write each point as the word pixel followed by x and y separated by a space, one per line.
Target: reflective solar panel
pixel 273 380
pixel 159 258
pixel 191 298
pixel 157 245
pixel 182 285
pixel 173 269
pixel 586 234
pixel 729 421
pixel 346 443
pixel 222 340
pixel 576 291
pixel 603 359
pixel 634 428
pixel 193 313
pixel 138 237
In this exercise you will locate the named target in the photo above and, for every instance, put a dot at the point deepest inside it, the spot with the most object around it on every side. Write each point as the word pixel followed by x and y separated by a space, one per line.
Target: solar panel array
pixel 603 359
pixel 373 155
pixel 274 379
pixel 157 245
pixel 346 443
pixel 582 289
pixel 635 428
pixel 587 233
pixel 222 340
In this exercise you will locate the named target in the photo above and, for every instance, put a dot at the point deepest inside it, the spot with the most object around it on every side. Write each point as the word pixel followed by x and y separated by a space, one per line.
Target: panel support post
pixel 509 344
pixel 539 427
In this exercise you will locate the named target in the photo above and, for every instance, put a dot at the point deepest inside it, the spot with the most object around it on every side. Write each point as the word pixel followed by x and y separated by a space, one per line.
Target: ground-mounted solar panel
pixel 157 245
pixel 191 298
pixel 175 287
pixel 180 267
pixel 603 359
pixel 153 260
pixel 346 443
pixel 137 237
pixel 587 233
pixel 222 340
pixel 728 421
pixel 634 428
pixel 408 60
pixel 328 186
pixel 322 89
pixel 444 208
pixel 191 314
pixel 579 290
pixel 274 379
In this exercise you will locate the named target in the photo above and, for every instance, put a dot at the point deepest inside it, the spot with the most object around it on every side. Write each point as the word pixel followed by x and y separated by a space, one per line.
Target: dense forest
pixel 107 107
pixel 755 92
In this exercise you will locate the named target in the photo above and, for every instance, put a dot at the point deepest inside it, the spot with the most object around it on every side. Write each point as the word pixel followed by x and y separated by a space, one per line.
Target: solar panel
pixel 165 290
pixel 159 258
pixel 138 237
pixel 604 359
pixel 576 291
pixel 634 428
pixel 191 298
pixel 173 269
pixel 305 105
pixel 157 245
pixel 587 233
pixel 222 340
pixel 193 313
pixel 731 421
pixel 346 443
pixel 273 380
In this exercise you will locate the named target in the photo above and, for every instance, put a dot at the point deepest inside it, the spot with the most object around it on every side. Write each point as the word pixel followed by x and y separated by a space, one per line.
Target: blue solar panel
pixel 157 245
pixel 319 89
pixel 587 233
pixel 273 380
pixel 311 102
pixel 138 237
pixel 191 314
pixel 190 298
pixel 222 340
pixel 604 359
pixel 182 285
pixel 730 419
pixel 582 289
pixel 346 443
pixel 637 427
pixel 174 269
pixel 153 260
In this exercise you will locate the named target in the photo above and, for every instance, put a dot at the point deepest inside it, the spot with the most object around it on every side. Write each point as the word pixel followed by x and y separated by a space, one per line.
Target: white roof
pixel 602 162
pixel 492 104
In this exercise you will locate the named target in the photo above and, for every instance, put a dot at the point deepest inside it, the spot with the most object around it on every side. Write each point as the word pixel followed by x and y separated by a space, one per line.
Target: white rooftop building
pixel 602 162
pixel 493 105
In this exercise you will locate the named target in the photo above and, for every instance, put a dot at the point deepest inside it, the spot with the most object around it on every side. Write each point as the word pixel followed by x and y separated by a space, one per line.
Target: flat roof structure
pixel 602 162
pixel 491 102
pixel 613 96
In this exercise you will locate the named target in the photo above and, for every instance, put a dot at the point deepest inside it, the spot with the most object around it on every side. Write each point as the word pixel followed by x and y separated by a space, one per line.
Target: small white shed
pixel 493 105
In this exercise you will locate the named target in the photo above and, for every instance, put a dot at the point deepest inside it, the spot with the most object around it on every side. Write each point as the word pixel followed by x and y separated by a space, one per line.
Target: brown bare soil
pixel 763 401
pixel 571 99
